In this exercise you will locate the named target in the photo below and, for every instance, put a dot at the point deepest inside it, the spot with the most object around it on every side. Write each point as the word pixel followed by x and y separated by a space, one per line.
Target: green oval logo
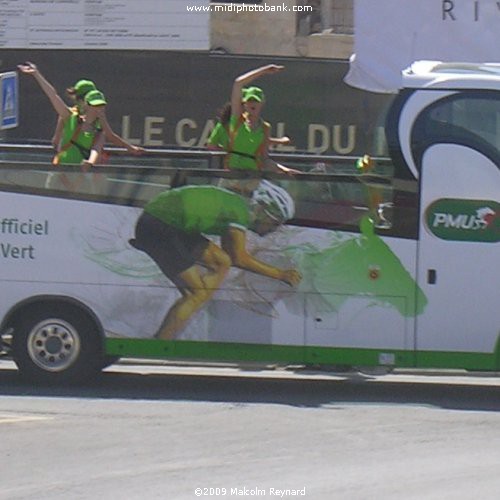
pixel 464 220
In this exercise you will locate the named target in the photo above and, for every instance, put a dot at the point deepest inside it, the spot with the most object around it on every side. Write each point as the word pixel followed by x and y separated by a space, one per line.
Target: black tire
pixel 57 343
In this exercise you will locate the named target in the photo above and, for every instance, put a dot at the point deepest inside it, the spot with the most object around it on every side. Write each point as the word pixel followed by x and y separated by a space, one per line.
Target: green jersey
pixel 200 209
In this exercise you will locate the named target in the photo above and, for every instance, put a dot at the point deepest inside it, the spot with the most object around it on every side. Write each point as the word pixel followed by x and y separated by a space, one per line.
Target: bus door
pixel 458 258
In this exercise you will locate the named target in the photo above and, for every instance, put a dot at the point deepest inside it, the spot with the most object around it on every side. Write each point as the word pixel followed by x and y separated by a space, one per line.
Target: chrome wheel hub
pixel 53 345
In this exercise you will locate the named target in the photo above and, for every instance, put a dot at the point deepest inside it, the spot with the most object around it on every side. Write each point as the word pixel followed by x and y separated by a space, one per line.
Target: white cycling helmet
pixel 277 201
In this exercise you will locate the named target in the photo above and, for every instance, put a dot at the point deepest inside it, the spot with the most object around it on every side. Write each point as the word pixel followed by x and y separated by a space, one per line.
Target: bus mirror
pixel 384 216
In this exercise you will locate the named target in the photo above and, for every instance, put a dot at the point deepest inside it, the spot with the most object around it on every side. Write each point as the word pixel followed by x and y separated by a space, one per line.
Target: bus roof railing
pixel 190 153
pixel 11 165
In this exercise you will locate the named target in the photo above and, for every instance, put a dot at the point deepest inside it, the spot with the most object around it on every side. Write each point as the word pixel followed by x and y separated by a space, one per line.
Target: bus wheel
pixel 56 344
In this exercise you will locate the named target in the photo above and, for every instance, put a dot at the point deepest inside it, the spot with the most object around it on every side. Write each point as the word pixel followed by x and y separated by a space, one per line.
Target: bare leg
pixel 197 290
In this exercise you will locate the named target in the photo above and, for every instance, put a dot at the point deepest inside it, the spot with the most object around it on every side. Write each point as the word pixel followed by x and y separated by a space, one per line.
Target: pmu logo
pixel 464 220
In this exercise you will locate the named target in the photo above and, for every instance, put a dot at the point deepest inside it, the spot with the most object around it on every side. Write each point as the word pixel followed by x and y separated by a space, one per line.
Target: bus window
pixel 121 185
pixel 339 200
pixel 470 119
pixel 23 177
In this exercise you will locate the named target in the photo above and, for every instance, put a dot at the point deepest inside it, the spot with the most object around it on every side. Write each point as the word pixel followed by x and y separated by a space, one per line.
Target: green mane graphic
pixel 361 266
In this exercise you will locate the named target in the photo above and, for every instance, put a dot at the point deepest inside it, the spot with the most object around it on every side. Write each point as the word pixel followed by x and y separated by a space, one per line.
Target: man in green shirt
pixel 172 230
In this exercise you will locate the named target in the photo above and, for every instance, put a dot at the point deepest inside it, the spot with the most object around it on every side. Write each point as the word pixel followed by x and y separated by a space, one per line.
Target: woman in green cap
pixel 82 136
pixel 84 128
pixel 249 134
pixel 77 93
pixel 219 137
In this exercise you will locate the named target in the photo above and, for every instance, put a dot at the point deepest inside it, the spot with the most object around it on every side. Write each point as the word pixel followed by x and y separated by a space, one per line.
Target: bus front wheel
pixel 55 344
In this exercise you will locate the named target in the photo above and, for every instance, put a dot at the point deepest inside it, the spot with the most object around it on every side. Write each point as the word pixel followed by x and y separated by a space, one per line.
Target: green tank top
pixel 209 210
pixel 84 141
pixel 247 141
pixel 219 136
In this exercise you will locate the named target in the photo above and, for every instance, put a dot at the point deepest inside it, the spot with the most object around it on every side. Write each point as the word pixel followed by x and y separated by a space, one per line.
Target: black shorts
pixel 172 249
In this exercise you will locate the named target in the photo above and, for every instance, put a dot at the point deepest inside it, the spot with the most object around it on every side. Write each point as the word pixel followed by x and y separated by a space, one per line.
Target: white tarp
pixel 391 34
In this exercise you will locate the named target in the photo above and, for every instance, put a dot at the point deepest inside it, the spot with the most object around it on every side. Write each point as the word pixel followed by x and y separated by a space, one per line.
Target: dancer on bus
pixel 248 134
pixel 84 116
pixel 219 137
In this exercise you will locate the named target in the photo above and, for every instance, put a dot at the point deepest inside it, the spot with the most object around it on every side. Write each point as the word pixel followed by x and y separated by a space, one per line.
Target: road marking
pixel 10 419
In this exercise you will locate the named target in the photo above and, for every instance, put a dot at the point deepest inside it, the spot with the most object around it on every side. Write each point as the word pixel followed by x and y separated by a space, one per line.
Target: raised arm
pixel 56 138
pixel 247 78
pixel 58 104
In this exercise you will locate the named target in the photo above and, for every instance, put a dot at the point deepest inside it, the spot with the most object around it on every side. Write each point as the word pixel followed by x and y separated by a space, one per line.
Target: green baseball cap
pixel 81 88
pixel 253 94
pixel 95 98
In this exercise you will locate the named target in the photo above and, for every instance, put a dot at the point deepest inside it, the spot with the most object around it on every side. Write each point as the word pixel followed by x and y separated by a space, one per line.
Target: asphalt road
pixel 162 431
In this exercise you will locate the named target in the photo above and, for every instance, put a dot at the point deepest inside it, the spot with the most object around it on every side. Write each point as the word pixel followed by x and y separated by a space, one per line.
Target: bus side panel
pixel 371 297
pixel 357 290
pixel 79 249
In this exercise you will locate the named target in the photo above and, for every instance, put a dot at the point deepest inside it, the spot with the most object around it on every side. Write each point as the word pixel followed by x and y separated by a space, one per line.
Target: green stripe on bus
pixel 233 352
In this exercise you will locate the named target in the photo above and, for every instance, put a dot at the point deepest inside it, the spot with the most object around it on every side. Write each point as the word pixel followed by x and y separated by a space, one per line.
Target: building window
pixel 310 21
pixel 342 16
pixel 329 16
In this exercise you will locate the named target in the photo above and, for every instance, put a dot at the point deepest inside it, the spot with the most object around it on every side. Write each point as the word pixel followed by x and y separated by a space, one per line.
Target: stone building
pixel 301 28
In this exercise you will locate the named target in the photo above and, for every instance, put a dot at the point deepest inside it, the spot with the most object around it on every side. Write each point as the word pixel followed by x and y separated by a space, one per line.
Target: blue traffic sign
pixel 9 102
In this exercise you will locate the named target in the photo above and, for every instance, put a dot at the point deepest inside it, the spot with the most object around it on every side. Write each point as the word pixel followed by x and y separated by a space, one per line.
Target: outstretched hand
pixel 288 170
pixel 28 67
pixel 137 150
pixel 274 68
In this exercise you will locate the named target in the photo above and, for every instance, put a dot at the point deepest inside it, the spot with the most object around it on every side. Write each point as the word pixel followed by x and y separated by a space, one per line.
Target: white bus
pixel 396 265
